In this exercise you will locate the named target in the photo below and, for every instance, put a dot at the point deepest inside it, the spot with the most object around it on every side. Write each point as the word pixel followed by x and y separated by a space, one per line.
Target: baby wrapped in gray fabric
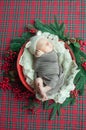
pixel 49 75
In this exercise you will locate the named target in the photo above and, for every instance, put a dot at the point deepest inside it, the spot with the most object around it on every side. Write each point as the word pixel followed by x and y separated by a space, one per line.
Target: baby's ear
pixel 38 53
pixel 28 44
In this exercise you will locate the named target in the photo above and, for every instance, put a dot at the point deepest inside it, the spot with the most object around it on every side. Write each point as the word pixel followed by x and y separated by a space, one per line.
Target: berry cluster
pixel 33 30
pixel 12 81
pixel 82 45
pixel 5 84
pixel 74 93
pixel 9 59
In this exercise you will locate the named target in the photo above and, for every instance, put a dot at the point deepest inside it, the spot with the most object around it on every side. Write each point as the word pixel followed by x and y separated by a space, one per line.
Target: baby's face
pixel 44 45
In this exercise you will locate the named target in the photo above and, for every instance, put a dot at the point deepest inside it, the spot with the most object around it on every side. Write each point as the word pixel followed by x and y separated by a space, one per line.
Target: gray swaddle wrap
pixel 47 67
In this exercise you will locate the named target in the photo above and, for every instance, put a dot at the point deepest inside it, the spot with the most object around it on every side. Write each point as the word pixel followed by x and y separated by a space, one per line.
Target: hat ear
pixel 28 44
pixel 39 33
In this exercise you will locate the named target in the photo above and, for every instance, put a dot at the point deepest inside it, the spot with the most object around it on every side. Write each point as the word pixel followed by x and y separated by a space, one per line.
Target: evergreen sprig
pixel 53 28
pixel 17 42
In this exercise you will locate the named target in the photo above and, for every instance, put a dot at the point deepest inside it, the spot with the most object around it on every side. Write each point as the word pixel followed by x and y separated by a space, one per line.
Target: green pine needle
pixel 73 100
pixel 77 77
pixel 45 105
pixel 15 46
pixel 51 106
pixel 62 27
pixel 54 111
pixel 18 40
pixel 67 102
pixel 83 54
pixel 80 83
pixel 76 44
pixel 26 35
pixel 56 23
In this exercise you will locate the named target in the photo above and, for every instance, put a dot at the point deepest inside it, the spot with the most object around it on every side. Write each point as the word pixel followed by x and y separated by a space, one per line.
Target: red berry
pixel 82 48
pixel 81 42
pixel 84 43
pixel 84 65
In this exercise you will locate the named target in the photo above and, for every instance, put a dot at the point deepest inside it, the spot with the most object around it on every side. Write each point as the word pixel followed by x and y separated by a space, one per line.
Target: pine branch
pixel 77 77
pixel 72 101
pixel 80 83
pixel 56 23
pixel 45 105
pixel 67 102
pixel 55 28
pixel 54 111
pixel 76 52
pixel 40 26
pixel 62 27
pixel 18 40
pixel 15 46
pixel 83 54
pixel 26 35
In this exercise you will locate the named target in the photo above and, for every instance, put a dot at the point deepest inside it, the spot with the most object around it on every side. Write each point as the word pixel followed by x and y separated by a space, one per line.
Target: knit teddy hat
pixel 31 45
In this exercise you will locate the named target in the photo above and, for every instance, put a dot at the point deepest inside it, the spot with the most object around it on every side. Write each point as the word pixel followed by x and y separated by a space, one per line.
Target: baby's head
pixel 43 46
pixel 39 45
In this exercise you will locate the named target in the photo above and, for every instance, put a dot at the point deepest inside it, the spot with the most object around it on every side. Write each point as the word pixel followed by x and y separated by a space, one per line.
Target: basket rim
pixel 19 67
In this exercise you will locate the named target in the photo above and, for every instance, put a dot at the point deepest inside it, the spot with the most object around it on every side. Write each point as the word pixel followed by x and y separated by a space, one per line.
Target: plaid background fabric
pixel 14 15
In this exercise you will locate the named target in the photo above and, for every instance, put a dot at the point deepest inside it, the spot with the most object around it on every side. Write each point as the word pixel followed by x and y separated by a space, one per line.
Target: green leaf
pixel 81 88
pixel 51 106
pixel 62 27
pixel 58 108
pixel 76 44
pixel 43 27
pixel 76 52
pixel 77 77
pixel 36 104
pixel 32 104
pixel 52 26
pixel 56 23
pixel 80 84
pixel 83 71
pixel 15 46
pixel 72 101
pixel 54 111
pixel 48 106
pixel 18 40
pixel 66 102
pixel 83 54
pixel 26 35
pixel 53 29
pixel 45 105
pixel 79 38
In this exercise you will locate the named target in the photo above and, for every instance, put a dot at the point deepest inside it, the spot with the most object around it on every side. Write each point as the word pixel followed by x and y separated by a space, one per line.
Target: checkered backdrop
pixel 14 15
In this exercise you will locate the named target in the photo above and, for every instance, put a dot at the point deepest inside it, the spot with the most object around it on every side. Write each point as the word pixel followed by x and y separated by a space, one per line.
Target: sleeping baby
pixel 49 76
